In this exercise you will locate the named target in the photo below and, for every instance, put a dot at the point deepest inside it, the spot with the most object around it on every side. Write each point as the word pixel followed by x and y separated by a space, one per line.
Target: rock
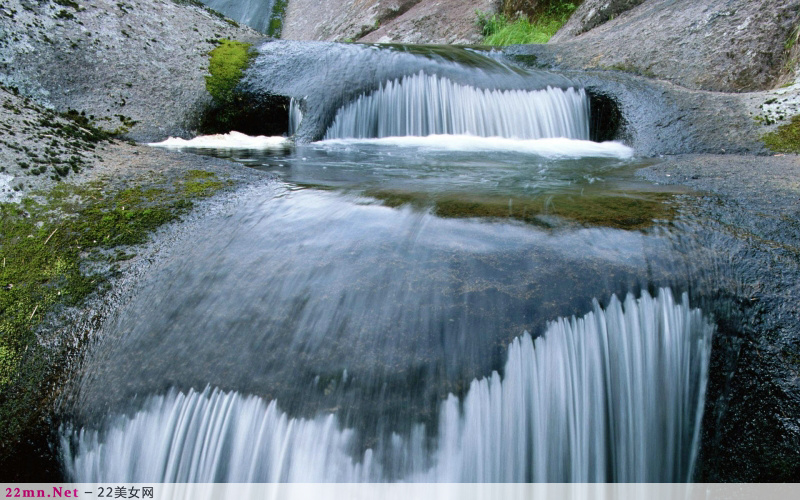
pixel 591 14
pixel 386 21
pixel 338 20
pixel 718 45
pixel 423 24
pixel 141 62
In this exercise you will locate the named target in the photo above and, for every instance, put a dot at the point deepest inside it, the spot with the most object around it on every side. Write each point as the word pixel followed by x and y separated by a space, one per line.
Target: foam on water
pixel 231 140
pixel 549 148
pixel 615 395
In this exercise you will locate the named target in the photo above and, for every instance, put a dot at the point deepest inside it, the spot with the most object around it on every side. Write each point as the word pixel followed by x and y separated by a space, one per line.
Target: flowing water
pixel 455 285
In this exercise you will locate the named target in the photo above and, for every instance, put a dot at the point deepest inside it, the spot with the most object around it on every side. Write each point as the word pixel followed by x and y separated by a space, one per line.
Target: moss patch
pixel 234 108
pixel 276 20
pixel 55 251
pixel 228 62
pixel 786 138
pixel 622 211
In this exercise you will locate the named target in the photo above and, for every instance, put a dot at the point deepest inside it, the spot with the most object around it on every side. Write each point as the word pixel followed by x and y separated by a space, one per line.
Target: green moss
pixel 630 68
pixel 228 62
pixel 68 3
pixel 276 20
pixel 622 211
pixel 499 29
pixel 63 14
pixel 200 183
pixel 45 248
pixel 786 138
pixel 229 107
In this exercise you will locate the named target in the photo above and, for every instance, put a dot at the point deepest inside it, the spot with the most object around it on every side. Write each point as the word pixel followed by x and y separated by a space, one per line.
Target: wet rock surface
pixel 749 220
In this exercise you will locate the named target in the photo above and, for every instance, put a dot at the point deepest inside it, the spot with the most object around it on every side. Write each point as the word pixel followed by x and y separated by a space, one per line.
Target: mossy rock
pixel 49 247
pixel 234 108
pixel 786 138
pixel 228 62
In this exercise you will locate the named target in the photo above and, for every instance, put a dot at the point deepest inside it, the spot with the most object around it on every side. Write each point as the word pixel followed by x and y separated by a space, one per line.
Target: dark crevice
pixel 605 120
pixel 249 113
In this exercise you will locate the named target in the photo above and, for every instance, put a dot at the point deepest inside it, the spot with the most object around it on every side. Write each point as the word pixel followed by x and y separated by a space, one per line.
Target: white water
pixel 550 148
pixel 295 116
pixel 231 140
pixel 421 105
pixel 616 395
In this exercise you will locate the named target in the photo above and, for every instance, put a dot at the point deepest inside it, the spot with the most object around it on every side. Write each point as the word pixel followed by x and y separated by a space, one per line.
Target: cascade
pixel 295 116
pixel 615 395
pixel 421 105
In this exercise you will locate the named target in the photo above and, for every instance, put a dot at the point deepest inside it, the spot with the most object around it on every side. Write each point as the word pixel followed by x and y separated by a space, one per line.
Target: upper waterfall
pixel 421 105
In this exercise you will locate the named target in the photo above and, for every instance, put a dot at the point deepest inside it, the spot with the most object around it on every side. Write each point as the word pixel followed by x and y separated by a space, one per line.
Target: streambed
pixel 439 305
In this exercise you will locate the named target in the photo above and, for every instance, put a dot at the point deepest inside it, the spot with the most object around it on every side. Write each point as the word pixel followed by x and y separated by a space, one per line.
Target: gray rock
pixel 718 45
pixel 144 61
pixel 591 14
pixel 395 21
pixel 423 24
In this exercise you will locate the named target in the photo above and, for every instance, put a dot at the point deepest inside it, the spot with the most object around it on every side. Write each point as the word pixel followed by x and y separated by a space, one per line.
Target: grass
pixel 48 248
pixel 499 29
pixel 786 138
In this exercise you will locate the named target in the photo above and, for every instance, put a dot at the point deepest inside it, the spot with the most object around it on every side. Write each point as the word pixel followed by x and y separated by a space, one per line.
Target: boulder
pixel 136 67
pixel 389 21
pixel 718 45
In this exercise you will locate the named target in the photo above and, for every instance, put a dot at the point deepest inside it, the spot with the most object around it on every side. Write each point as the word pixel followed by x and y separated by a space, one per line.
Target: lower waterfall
pixel 421 105
pixel 615 395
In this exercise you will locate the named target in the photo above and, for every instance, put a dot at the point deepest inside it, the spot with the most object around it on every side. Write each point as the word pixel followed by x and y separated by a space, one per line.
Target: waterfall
pixel 421 105
pixel 615 395
pixel 295 116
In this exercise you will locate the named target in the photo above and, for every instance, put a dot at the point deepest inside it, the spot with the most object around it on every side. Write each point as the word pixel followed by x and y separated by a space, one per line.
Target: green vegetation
pixel 499 29
pixel 228 62
pixel 276 20
pixel 55 251
pixel 68 3
pixel 786 138
pixel 630 68
pixel 622 211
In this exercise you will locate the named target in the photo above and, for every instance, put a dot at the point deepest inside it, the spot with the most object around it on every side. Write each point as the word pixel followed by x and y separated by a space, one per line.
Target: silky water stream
pixel 453 285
